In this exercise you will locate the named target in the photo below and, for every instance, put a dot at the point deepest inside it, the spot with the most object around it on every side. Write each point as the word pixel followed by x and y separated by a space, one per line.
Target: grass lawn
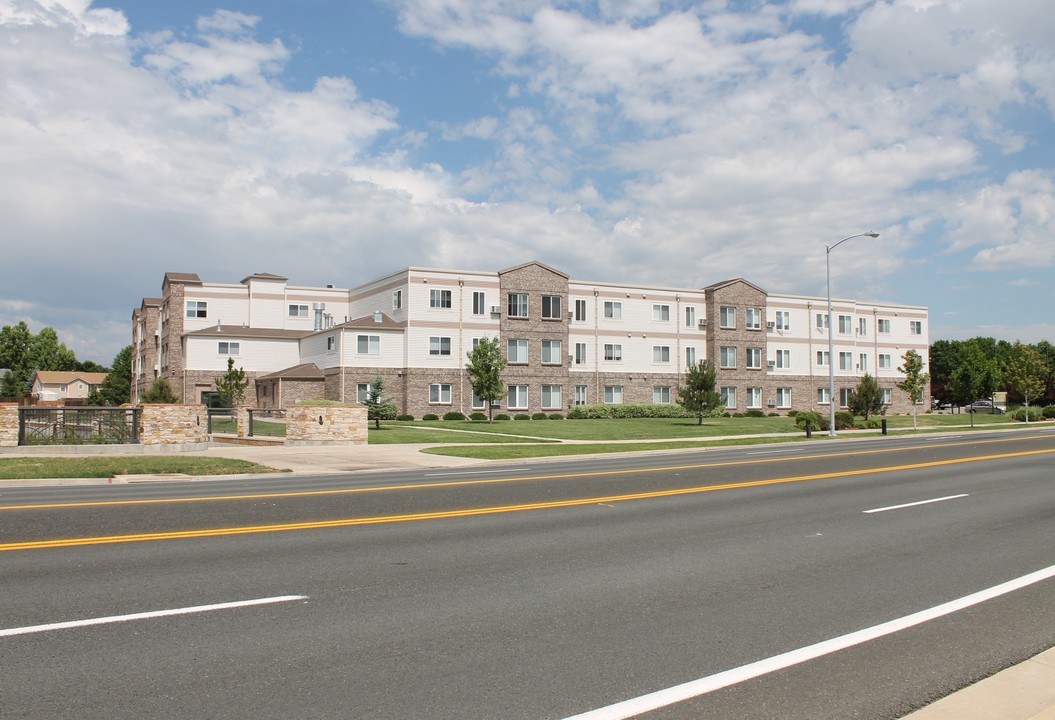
pixel 101 466
pixel 624 429
pixel 260 427
pixel 516 452
pixel 405 433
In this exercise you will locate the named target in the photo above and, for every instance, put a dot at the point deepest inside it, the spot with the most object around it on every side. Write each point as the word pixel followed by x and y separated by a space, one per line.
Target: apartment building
pixel 567 341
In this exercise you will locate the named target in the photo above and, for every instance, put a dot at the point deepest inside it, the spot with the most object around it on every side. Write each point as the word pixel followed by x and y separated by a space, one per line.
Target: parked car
pixel 984 406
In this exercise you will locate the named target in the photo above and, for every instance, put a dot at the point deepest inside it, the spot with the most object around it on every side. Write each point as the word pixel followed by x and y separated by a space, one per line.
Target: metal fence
pixel 78 425
pixel 270 421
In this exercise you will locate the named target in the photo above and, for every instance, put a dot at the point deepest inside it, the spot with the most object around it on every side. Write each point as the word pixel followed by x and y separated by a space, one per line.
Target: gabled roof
pixel 305 371
pixel 535 263
pixel 368 323
pixel 185 278
pixel 56 377
pixel 240 331
pixel 264 276
pixel 734 281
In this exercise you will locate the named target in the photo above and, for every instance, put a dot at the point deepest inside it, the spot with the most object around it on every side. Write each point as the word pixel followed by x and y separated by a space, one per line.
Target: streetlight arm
pixel 871 233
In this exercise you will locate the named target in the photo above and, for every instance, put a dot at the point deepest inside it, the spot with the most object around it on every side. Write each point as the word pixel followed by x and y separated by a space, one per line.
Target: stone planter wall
pixel 319 424
pixel 173 424
pixel 8 424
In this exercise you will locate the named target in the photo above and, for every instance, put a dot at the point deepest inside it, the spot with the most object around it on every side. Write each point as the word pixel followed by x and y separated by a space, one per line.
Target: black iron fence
pixel 271 421
pixel 78 425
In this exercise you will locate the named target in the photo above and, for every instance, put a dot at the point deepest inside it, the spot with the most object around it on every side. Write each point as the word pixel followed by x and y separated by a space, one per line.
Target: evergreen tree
pixel 231 385
pixel 698 396
pixel 160 392
pixel 867 397
pixel 117 387
pixel 485 368
pixel 378 407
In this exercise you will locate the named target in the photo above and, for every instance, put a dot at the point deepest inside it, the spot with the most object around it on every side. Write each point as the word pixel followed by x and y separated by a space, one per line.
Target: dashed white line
pixel 148 615
pixel 914 504
pixel 472 472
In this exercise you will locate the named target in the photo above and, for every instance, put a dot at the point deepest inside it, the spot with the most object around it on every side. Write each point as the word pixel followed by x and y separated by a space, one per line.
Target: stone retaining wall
pixel 319 424
pixel 173 424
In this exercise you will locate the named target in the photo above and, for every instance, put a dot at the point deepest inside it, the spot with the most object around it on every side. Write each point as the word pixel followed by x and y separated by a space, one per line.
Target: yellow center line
pixel 495 510
pixel 497 481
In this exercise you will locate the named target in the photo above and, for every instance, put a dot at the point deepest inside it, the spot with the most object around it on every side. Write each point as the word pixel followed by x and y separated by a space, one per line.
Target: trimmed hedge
pixel 556 416
pixel 1049 412
pixel 539 416
pixel 453 415
pixel 430 416
pixel 521 416
pixel 630 410
pixel 501 416
pixel 404 417
pixel 477 416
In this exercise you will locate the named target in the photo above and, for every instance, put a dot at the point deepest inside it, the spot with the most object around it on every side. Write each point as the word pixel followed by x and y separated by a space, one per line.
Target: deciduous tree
pixel 1025 372
pixel 698 395
pixel 915 381
pixel 485 368
pixel 231 385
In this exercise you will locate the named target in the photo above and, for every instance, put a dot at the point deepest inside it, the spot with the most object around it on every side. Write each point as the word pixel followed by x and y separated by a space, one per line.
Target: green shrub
pixel 404 417
pixel 521 416
pixel 755 413
pixel 773 414
pixel 556 416
pixel 628 410
pixel 869 424
pixel 430 416
pixel 501 416
pixel 1035 414
pixel 844 420
pixel 792 413
pixel 477 416
pixel 453 415
pixel 538 416
pixel 1049 412
pixel 816 420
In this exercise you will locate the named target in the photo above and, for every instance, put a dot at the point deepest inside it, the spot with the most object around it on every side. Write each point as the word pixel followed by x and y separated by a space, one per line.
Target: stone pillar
pixel 8 424
pixel 173 424
pixel 241 420
pixel 326 424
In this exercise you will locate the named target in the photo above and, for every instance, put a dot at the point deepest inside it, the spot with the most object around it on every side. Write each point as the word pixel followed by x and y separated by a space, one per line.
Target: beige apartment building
pixel 567 341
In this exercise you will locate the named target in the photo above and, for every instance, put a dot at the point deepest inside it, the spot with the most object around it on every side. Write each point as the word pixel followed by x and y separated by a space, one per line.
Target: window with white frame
pixel 227 348
pixel 915 327
pixel 888 395
pixel 439 298
pixel 822 321
pixel 754 397
pixel 754 358
pixel 517 305
pixel 661 394
pixel 580 394
pixel 783 359
pixel 660 313
pixel 478 403
pixel 331 342
pixel 862 326
pixel 883 326
pixel 397 299
pixel 846 361
pixel 862 362
pixel 783 397
pixel 727 357
pixel 552 352
pixel 728 395
pixel 727 317
pixel 613 394
pixel 440 393
pixel 845 324
pixel 298 311
pixel 439 345
pixel 368 344
pixel 690 357
pixel 783 320
pixel 845 396
pixel 362 392
pixel 580 353
pixel 517 397
pixel 661 353
pixel 479 303
pixel 823 397
pixel 517 352
pixel 822 358
pixel 197 309
pixel 884 361
pixel 551 307
pixel 690 316
pixel 580 311
pixel 753 318
pixel 613 351
pixel 551 397
pixel 613 310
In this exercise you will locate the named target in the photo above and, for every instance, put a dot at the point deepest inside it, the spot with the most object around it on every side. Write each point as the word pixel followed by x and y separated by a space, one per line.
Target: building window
pixel 298 311
pixel 690 316
pixel 784 397
pixel 613 394
pixel 660 313
pixel 613 351
pixel 478 403
pixel 915 327
pixel 440 393
pixel 580 311
pixel 517 351
pixel 822 358
pixel 439 346
pixel 440 298
pixel 517 307
pixel 479 303
pixel 551 397
pixel 368 344
pixel 783 360
pixel 362 392
pixel 888 396
pixel 613 310
pixel 783 320
pixel 754 358
pixel 397 300
pixel 661 394
pixel 845 324
pixel 884 362
pixel 551 307
pixel 845 395
pixel 883 325
pixel 331 342
pixel 727 317
pixel 862 326
pixel 690 357
pixel 822 321
pixel 753 318
pixel 728 395
pixel 227 348
pixel 580 353
pixel 517 397
pixel 727 357
pixel 661 353
pixel 823 398
pixel 846 361
pixel 754 397
pixel 862 362
pixel 552 353
pixel 197 309
pixel 580 394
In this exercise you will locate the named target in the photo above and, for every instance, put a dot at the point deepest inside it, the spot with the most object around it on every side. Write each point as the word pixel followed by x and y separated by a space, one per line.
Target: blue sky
pixel 679 143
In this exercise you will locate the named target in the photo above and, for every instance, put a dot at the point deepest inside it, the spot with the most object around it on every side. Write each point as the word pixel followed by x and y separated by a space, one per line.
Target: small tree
pixel 915 381
pixel 485 368
pixel 231 385
pixel 867 397
pixel 117 387
pixel 378 407
pixel 698 396
pixel 1025 372
pixel 160 392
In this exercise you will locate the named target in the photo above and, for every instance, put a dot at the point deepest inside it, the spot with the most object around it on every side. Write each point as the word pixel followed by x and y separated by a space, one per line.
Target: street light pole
pixel 831 343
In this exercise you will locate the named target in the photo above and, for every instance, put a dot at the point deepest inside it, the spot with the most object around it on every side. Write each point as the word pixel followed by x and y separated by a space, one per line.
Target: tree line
pixel 965 370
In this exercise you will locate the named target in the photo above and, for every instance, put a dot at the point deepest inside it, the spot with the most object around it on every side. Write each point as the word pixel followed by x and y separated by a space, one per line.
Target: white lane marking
pixel 147 615
pixel 772 452
pixel 914 504
pixel 472 472
pixel 702 686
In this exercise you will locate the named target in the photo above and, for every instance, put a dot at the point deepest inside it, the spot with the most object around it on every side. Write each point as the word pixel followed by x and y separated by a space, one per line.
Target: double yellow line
pixel 495 510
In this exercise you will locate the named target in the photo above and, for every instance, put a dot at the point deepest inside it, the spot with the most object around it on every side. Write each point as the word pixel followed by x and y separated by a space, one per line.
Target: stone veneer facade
pixel 8 424
pixel 173 424
pixel 325 424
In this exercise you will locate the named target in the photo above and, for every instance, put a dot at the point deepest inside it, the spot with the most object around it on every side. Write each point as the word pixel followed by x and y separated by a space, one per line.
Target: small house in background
pixel 61 385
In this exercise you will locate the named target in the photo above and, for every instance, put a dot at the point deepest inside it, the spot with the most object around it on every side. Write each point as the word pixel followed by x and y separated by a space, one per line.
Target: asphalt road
pixel 542 590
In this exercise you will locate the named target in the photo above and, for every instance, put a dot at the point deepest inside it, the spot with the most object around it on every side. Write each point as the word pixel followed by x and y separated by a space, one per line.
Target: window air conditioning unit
pixel 771 324
pixel 703 323
pixel 772 402
pixel 771 363
pixel 496 309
